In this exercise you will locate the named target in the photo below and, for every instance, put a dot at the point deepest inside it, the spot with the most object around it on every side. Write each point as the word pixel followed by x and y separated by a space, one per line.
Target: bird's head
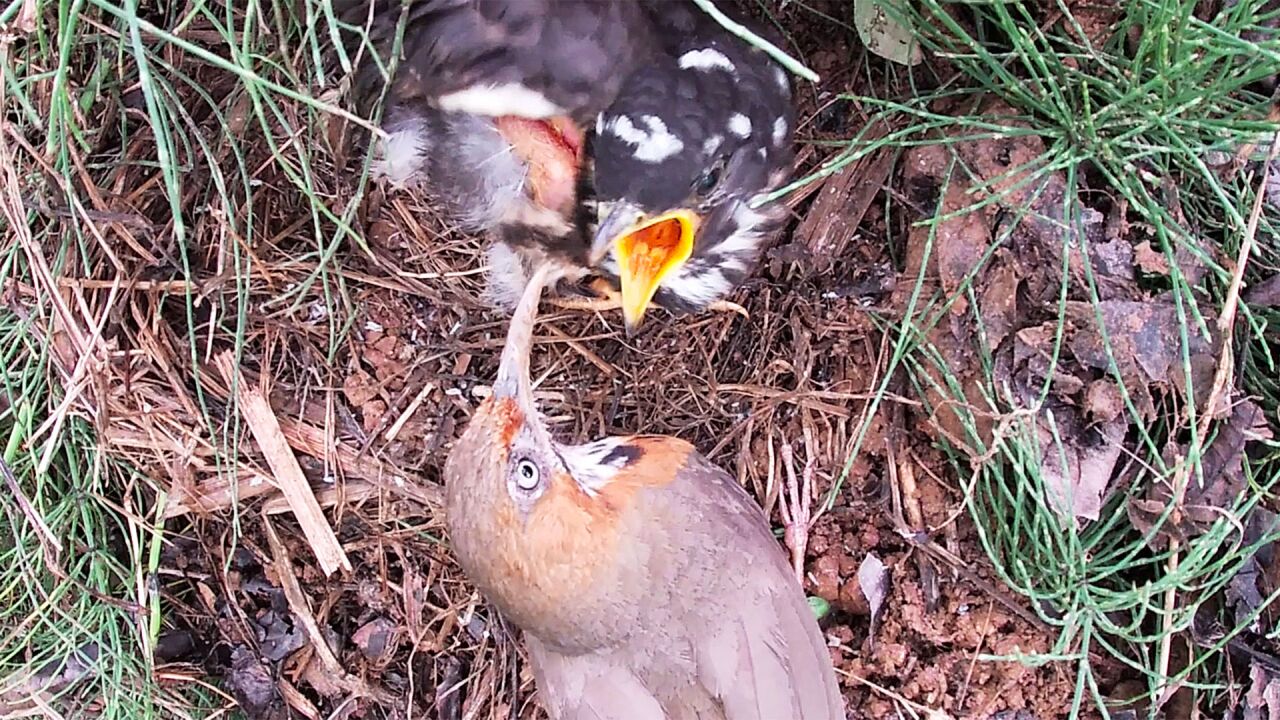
pixel 680 160
pixel 540 525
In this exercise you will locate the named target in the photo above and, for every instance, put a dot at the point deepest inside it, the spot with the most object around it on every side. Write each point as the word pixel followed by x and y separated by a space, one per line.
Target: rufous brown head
pixel 536 523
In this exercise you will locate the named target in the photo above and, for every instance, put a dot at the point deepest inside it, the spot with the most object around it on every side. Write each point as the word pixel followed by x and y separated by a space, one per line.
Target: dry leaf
pixel 873 578
pixel 1265 293
pixel 886 31
pixel 252 684
pixel 1142 338
pixel 1262 702
pixel 1076 468
pixel 1150 261
pixel 1217 486
pixel 376 638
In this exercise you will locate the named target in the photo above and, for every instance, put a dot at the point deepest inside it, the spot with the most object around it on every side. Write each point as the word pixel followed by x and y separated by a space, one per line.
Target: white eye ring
pixel 527 474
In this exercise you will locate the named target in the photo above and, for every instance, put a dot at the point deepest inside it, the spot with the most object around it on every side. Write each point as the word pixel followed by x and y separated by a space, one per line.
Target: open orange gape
pixel 552 148
pixel 647 253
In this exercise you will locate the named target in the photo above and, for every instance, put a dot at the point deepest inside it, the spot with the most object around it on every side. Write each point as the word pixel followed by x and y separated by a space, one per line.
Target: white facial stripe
pixel 740 125
pixel 653 143
pixel 700 288
pixel 591 465
pixel 706 59
pixel 779 131
pixel 496 100
pixel 746 237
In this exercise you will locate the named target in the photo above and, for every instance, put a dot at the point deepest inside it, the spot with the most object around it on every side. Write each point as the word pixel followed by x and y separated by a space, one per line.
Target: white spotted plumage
pixel 700 287
pixel 653 142
pixel 779 131
pixel 740 125
pixel 746 236
pixel 706 59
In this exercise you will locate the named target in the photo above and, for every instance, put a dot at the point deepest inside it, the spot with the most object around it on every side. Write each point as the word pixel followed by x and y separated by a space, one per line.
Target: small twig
pixel 412 408
pixel 907 509
pixel 47 538
pixel 586 353
pixel 910 499
pixel 1226 366
pixel 301 610
pixel 755 40
pixel 928 713
pixel 944 555
pixel 973 662
pixel 288 474
pixel 171 286
pixel 1231 304
pixel 1166 622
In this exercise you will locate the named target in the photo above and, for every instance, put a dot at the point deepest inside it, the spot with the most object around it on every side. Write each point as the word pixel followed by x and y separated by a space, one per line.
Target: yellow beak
pixel 647 253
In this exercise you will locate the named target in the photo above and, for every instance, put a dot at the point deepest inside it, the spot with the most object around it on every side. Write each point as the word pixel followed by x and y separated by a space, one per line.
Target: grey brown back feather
pixel 727 632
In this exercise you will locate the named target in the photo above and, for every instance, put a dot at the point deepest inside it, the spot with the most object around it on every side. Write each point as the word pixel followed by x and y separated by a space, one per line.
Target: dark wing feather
pixel 572 52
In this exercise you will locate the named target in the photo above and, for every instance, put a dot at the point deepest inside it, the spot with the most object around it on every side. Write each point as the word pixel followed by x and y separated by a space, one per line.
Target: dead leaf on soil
pixel 1262 701
pixel 1037 362
pixel 1265 293
pixel 1077 464
pixel 26 690
pixel 377 638
pixel 1256 578
pixel 886 33
pixel 252 684
pixel 278 634
pixel 873 579
pixel 1215 489
pixel 1142 337
pixel 1149 260
pixel 959 243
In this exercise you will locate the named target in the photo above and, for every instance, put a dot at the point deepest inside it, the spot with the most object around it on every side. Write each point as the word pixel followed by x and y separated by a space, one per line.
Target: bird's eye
pixel 527 474
pixel 707 182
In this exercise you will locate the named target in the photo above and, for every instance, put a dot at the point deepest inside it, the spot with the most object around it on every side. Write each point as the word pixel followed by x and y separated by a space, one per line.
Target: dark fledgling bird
pixel 646 580
pixel 684 158
pixel 491 106
pixel 488 109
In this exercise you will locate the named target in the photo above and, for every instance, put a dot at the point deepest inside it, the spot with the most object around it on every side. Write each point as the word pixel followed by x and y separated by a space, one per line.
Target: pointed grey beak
pixel 620 217
pixel 513 370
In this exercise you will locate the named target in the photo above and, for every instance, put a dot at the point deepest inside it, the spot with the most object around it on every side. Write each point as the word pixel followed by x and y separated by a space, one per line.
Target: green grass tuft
pixel 1155 109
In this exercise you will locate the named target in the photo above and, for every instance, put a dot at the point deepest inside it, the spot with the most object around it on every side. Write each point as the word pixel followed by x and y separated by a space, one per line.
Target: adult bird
pixel 646 580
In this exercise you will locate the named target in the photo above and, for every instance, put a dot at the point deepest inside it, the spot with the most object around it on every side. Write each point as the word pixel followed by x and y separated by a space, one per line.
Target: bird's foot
pixel 727 306
pixel 795 505
pixel 605 298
